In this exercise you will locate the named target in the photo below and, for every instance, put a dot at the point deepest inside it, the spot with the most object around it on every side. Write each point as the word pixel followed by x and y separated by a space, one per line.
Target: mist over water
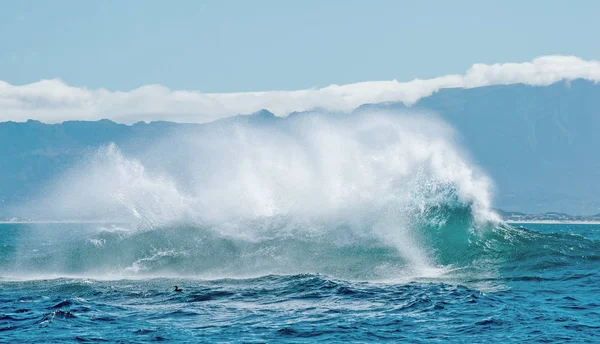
pixel 364 196
pixel 365 227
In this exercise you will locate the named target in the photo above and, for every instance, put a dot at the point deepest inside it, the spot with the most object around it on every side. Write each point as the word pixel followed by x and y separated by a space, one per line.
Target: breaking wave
pixel 364 196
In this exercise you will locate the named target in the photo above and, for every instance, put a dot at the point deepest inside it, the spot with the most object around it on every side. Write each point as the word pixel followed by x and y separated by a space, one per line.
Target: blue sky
pixel 233 46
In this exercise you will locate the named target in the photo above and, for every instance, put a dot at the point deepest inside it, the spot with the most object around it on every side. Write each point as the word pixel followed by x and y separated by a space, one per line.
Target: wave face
pixel 363 197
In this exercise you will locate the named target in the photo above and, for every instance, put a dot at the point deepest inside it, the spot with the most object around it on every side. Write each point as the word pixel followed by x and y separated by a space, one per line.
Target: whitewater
pixel 342 227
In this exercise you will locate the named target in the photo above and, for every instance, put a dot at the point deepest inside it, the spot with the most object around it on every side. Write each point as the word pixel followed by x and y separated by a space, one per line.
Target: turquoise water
pixel 359 228
pixel 86 282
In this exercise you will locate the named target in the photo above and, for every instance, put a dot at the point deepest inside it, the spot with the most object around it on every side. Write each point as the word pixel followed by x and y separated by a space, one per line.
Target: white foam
pixel 370 172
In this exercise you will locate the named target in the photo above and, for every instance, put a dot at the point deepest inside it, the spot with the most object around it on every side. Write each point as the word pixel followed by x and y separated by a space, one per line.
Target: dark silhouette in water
pixel 177 289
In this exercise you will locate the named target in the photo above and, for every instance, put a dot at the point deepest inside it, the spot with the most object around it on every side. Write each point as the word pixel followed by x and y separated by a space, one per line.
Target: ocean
pixel 361 228
pixel 538 283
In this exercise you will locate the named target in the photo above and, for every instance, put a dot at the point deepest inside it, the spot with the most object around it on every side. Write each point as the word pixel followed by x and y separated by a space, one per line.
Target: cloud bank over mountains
pixel 54 101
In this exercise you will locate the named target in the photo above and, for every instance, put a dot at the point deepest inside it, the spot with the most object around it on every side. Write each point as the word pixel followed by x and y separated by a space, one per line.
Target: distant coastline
pixel 553 222
pixel 508 217
pixel 549 222
pixel 547 218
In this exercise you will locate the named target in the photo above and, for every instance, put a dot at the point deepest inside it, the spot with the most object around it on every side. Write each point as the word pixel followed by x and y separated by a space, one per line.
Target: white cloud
pixel 55 101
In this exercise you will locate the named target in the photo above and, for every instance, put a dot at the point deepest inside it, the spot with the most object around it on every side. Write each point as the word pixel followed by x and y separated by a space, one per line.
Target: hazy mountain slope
pixel 538 143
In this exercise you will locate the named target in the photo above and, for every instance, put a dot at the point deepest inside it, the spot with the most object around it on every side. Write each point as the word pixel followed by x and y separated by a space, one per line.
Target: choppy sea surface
pixel 359 228
pixel 537 283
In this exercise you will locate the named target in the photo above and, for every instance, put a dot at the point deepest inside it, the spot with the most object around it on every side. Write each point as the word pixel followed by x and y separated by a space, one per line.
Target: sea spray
pixel 357 196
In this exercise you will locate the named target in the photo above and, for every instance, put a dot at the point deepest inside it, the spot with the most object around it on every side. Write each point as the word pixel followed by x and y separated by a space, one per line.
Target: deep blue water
pixel 543 286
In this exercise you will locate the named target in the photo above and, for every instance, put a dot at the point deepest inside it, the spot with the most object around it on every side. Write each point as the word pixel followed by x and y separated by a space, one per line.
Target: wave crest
pixel 357 196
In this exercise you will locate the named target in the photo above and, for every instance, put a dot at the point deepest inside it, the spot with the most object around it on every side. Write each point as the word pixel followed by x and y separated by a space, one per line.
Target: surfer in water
pixel 177 289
